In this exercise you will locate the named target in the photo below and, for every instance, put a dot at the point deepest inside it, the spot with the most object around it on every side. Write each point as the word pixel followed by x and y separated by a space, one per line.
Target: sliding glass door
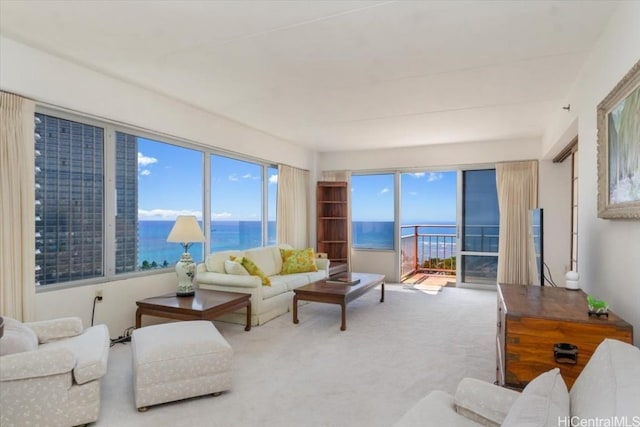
pixel 478 228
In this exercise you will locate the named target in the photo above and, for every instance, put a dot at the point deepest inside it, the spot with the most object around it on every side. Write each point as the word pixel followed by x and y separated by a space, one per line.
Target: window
pixel 480 227
pixel 236 204
pixel 159 182
pixel 372 211
pixel 107 197
pixel 272 204
pixel 69 200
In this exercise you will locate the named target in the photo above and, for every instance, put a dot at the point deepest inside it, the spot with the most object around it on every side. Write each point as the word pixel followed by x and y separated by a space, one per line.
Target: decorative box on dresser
pixel 533 319
pixel 332 232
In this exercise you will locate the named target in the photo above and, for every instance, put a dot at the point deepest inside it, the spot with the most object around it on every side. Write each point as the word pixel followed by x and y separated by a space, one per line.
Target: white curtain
pixel 343 176
pixel 292 209
pixel 17 195
pixel 517 184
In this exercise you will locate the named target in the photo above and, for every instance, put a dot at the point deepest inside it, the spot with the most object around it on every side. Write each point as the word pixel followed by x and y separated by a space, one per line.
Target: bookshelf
pixel 332 220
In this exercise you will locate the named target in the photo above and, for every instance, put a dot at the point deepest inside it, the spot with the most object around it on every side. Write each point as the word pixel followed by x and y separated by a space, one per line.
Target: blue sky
pixel 170 184
pixel 426 197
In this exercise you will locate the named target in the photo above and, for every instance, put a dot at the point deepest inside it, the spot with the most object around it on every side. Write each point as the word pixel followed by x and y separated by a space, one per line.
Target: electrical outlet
pixel 99 294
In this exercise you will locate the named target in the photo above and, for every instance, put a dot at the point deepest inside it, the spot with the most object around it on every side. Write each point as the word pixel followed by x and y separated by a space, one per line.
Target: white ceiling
pixel 335 75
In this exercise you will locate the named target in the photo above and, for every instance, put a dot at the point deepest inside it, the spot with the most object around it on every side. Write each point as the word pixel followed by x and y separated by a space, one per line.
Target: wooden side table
pixel 204 305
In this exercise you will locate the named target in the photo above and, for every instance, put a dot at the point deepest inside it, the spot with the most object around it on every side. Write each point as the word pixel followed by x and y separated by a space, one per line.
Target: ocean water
pixel 153 245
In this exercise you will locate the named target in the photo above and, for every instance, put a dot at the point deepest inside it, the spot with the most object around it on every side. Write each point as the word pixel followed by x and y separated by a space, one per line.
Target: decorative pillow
pixel 298 261
pixel 253 269
pixel 234 267
pixel 17 337
pixel 543 402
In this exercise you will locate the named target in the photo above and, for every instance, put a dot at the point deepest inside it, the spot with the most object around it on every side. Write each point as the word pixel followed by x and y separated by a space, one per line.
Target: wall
pixel 608 250
pixel 49 79
pixel 554 198
pixel 553 193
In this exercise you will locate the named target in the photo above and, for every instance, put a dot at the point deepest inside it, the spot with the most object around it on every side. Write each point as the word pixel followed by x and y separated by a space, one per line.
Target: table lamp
pixel 185 231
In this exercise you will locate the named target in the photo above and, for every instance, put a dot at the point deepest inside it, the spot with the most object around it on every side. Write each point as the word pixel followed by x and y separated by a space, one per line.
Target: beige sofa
pixel 267 302
pixel 606 391
pixel 50 372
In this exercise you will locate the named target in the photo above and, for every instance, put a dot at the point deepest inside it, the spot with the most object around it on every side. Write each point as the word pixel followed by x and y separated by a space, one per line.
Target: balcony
pixel 425 253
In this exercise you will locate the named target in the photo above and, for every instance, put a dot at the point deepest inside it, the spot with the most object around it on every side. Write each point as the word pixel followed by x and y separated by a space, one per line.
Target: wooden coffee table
pixel 204 305
pixel 336 293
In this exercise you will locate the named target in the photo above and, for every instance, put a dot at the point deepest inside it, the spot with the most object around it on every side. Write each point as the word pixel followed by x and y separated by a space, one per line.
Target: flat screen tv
pixel 537 229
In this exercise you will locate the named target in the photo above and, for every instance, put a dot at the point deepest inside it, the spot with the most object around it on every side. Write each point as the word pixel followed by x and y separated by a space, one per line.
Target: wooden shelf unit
pixel 332 220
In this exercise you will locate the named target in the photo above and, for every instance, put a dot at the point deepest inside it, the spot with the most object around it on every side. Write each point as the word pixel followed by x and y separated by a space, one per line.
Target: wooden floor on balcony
pixel 429 281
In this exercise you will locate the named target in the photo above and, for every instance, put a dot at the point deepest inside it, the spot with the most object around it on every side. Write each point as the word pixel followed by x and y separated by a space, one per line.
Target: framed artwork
pixel 619 149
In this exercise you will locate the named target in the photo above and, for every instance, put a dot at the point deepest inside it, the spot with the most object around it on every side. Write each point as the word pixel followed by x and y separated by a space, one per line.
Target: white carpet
pixel 312 374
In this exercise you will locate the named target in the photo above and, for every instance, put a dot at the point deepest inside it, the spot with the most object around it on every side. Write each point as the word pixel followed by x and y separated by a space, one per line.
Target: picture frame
pixel 618 121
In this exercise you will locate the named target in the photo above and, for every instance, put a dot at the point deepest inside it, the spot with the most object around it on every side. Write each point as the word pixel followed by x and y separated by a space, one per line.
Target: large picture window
pixel 155 182
pixel 107 197
pixel 372 212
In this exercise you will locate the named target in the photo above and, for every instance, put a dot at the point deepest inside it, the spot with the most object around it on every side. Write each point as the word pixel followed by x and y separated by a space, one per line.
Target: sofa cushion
pixel 17 337
pixel 543 402
pixel 609 384
pixel 215 261
pixel 253 269
pixel 273 290
pixel 266 258
pixel 235 267
pixel 290 281
pixel 298 261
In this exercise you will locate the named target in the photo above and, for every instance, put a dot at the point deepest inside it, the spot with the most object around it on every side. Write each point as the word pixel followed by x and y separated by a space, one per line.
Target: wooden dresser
pixel 532 319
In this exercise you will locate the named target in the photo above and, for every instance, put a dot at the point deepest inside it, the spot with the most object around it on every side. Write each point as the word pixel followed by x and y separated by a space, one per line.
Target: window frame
pixel 109 203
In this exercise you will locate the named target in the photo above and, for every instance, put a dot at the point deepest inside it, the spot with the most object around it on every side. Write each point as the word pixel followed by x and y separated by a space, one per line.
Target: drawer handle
pixel 565 353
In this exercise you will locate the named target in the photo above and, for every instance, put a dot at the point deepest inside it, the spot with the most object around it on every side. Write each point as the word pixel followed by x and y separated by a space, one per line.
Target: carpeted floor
pixel 312 374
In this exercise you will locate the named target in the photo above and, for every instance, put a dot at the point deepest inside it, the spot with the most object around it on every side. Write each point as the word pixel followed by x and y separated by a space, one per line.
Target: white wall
pixel 432 156
pixel 51 80
pixel 555 198
pixel 608 250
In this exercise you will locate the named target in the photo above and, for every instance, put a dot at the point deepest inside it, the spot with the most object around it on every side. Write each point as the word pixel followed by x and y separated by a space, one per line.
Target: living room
pixel 607 249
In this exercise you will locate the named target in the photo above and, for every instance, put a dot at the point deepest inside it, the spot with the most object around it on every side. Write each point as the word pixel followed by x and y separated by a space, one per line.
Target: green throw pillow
pixel 253 269
pixel 298 261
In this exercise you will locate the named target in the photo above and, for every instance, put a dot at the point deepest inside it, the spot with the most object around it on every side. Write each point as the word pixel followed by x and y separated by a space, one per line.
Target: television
pixel 537 228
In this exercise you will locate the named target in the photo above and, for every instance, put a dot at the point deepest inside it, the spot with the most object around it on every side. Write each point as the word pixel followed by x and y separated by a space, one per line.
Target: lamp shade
pixel 186 230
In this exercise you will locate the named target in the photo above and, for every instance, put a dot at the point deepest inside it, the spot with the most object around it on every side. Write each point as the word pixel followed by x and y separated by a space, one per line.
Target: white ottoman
pixel 174 361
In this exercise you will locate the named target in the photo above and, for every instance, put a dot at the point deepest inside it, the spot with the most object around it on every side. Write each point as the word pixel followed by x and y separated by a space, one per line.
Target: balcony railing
pixel 424 250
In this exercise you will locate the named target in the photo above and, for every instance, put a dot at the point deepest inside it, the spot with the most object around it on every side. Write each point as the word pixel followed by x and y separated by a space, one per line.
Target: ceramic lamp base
pixel 185 294
pixel 185 270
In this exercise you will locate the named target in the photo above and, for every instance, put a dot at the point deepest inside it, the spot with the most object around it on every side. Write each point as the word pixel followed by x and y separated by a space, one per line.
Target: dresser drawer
pixel 529 346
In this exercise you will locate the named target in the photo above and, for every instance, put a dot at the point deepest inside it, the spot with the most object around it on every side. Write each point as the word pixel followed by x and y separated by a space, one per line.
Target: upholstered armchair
pixel 50 372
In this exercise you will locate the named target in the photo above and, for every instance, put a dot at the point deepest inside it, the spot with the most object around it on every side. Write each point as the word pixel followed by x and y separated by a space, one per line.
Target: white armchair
pixel 50 372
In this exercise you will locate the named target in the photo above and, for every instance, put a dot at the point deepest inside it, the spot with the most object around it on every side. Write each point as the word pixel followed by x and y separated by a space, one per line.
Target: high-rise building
pixel 70 197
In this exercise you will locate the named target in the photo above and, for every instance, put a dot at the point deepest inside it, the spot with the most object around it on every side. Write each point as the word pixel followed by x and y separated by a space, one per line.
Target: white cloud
pixel 413 193
pixel 235 177
pixel 434 176
pixel 417 174
pixel 220 215
pixel 273 179
pixel 383 191
pixel 166 214
pixel 145 161
pixel 145 172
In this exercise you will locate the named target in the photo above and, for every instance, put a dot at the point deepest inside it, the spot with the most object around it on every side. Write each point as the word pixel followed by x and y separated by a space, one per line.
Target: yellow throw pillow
pixel 253 269
pixel 298 261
